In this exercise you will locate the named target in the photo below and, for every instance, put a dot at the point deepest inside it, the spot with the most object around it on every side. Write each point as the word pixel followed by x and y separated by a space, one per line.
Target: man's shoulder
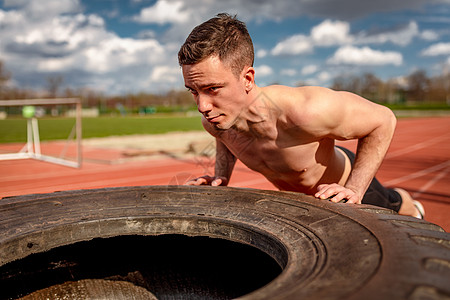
pixel 301 106
pixel 297 100
pixel 282 92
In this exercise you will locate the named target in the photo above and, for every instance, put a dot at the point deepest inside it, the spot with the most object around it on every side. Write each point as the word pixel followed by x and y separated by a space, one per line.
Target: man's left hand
pixel 336 193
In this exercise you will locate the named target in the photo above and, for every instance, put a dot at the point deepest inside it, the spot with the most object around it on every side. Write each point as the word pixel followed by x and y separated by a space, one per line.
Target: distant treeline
pixel 414 88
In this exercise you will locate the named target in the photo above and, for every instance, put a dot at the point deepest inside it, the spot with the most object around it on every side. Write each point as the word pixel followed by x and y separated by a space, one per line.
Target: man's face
pixel 219 94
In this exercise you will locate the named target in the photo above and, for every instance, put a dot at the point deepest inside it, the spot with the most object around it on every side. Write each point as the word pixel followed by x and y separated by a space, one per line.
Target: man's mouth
pixel 213 119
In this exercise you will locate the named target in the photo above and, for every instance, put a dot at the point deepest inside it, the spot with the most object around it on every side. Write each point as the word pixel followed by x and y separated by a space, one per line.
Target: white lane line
pixel 430 183
pixel 418 146
pixel 417 174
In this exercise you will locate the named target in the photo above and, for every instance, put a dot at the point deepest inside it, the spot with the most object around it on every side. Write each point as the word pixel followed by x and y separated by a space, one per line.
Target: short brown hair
pixel 224 36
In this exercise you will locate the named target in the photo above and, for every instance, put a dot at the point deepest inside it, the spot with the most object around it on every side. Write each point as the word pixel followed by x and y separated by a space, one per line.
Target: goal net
pixel 32 148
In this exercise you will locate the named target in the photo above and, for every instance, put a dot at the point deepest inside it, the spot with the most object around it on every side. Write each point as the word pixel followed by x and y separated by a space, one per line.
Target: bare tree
pixel 371 87
pixel 419 84
pixel 53 85
pixel 5 75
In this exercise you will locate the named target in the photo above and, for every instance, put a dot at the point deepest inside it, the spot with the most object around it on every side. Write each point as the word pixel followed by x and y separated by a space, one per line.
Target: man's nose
pixel 204 104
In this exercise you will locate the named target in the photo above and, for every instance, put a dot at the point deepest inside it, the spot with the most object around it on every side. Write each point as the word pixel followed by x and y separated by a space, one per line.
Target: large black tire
pixel 325 250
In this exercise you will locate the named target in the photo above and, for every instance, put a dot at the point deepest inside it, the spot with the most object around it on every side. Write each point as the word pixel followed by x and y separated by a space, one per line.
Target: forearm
pixel 370 153
pixel 225 161
pixel 367 162
pixel 224 165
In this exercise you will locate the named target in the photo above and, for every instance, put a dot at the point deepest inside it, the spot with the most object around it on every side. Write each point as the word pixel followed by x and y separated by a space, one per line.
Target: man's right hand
pixel 208 180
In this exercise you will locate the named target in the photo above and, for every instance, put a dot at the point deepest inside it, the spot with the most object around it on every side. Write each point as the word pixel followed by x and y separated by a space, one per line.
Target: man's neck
pixel 258 114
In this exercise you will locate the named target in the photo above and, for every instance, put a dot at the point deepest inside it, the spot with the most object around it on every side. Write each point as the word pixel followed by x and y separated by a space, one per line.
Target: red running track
pixel 418 161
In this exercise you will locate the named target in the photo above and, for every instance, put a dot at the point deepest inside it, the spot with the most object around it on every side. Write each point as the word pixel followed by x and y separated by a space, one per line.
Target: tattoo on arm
pixel 225 161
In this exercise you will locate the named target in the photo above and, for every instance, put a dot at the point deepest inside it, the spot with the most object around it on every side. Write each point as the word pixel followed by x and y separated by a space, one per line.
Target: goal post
pixel 32 148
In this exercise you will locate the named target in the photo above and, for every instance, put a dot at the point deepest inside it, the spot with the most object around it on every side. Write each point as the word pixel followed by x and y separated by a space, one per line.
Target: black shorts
pixel 377 194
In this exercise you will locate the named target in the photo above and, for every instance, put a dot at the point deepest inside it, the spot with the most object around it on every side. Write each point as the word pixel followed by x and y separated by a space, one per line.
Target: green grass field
pixel 15 130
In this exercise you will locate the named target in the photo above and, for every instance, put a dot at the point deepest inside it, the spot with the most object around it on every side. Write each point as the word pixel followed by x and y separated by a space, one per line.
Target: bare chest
pixel 274 157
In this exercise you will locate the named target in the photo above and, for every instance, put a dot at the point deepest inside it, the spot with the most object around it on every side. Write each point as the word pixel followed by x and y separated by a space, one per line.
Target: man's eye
pixel 193 92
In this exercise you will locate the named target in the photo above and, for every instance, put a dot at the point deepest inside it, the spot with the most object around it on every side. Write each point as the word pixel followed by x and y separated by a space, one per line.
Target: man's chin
pixel 222 126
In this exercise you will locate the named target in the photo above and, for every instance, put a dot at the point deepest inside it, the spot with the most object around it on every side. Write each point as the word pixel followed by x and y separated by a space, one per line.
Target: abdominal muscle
pixel 327 164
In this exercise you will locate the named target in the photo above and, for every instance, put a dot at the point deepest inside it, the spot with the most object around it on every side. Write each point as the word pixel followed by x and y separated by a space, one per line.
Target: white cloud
pixel 80 48
pixel 11 18
pixel 294 45
pixel 163 12
pixel 324 76
pixel 261 53
pixel 402 35
pixel 322 79
pixel 309 69
pixel 52 7
pixel 146 34
pixel 81 42
pixel 39 39
pixel 350 55
pixel 55 64
pixel 329 33
pixel 116 53
pixel 288 72
pixel 165 74
pixel 263 71
pixel 437 49
pixel 278 10
pixel 332 33
pixel 429 35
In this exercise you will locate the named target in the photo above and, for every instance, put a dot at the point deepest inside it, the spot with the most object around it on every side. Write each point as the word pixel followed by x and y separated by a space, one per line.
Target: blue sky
pixel 130 46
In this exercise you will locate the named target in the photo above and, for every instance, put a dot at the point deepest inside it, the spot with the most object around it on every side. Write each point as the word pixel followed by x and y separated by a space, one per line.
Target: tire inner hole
pixel 169 266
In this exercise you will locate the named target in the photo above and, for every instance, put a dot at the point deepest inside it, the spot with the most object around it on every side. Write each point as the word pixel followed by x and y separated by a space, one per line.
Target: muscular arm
pixel 373 125
pixel 345 116
pixel 370 153
pixel 224 165
pixel 225 161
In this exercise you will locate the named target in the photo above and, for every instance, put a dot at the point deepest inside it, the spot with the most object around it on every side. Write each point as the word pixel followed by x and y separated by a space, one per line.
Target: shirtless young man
pixel 287 134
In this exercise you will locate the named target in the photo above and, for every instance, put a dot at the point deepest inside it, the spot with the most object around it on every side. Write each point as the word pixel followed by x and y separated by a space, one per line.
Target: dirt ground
pixel 173 141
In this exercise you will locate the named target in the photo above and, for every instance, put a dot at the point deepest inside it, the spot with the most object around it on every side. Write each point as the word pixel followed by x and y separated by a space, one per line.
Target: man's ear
pixel 249 78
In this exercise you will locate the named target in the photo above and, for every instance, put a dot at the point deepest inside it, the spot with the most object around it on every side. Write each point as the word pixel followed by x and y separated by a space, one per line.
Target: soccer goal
pixel 32 149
